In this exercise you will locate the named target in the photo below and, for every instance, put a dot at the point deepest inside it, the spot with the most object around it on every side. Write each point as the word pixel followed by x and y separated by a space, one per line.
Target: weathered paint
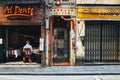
pixel 80 33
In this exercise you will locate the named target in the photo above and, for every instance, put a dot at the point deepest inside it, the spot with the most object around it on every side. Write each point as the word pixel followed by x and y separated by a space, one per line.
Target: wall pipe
pixel 71 28
pixel 65 19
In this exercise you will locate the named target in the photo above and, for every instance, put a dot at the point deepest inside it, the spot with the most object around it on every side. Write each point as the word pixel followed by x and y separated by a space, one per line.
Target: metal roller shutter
pixel 102 40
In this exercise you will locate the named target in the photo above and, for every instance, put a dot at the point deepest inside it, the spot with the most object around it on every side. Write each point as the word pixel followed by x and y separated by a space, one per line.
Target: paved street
pixel 45 77
pixel 60 77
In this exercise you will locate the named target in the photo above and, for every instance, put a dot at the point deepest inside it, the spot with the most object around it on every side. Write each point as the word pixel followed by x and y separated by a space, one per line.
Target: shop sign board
pixel 62 11
pixel 98 13
pixel 18 11
pixel 21 14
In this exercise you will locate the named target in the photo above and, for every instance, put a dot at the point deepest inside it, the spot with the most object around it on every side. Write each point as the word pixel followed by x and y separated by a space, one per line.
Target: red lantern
pixel 57 2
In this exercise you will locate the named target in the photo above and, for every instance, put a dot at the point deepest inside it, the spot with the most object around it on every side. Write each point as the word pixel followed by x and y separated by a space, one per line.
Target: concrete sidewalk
pixel 63 70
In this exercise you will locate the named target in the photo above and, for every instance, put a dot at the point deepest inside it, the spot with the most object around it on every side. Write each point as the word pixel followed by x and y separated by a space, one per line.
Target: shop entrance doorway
pixel 61 41
pixel 16 37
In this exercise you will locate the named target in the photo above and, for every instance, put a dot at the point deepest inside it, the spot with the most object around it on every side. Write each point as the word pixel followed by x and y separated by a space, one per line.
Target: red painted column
pixel 50 40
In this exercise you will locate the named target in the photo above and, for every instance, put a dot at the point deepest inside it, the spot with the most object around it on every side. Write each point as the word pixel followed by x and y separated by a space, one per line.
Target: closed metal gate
pixel 102 40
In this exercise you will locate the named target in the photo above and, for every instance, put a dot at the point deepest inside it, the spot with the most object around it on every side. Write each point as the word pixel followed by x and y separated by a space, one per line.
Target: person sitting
pixel 27 49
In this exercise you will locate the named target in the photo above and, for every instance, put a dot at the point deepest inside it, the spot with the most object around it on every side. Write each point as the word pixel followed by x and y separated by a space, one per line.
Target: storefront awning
pixel 21 1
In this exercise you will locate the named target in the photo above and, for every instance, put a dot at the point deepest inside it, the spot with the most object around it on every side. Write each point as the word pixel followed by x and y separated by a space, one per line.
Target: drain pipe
pixel 72 38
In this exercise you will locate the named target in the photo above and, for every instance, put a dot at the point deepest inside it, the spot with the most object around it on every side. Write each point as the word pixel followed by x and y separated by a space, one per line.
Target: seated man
pixel 27 49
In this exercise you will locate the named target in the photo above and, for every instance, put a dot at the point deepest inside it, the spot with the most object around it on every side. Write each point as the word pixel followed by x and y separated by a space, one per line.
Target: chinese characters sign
pixel 98 13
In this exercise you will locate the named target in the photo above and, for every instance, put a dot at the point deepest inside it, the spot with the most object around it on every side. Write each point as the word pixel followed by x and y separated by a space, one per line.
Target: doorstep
pixel 61 64
pixel 19 64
